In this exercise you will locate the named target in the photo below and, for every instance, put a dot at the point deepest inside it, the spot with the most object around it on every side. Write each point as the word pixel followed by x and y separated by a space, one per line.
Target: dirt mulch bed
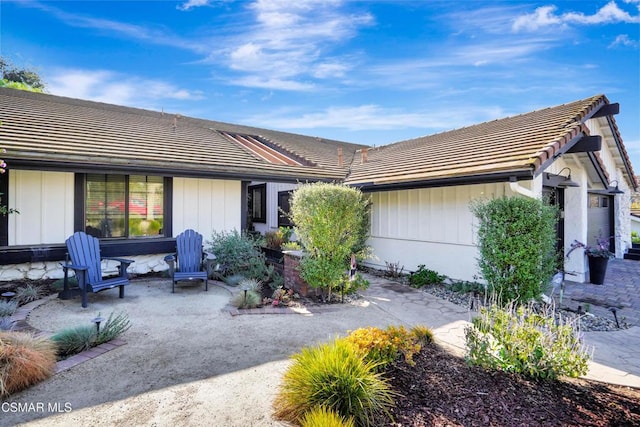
pixel 442 390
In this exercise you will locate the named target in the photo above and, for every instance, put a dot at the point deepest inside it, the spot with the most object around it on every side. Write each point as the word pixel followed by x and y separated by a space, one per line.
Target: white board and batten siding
pixel 205 205
pixel 45 202
pixel 273 188
pixel 430 226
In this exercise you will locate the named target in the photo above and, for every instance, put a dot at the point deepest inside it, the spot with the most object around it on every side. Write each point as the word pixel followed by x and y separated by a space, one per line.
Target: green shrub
pixel 635 237
pixel 25 359
pixel 333 376
pixel 27 293
pixel 114 327
pixel 239 253
pixel 332 223
pixel 7 308
pixel 382 347
pixel 517 246
pixel 70 341
pixel 323 417
pixel 233 279
pixel 517 339
pixel 466 287
pixel 277 238
pixel 59 284
pixel 248 299
pixel 291 246
pixel 350 287
pixel 423 276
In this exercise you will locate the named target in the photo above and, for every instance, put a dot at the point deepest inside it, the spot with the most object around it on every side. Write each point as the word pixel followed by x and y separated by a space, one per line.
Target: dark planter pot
pixel 597 269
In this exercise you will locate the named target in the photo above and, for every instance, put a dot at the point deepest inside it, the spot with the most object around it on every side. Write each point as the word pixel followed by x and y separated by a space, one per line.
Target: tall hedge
pixel 332 222
pixel 517 245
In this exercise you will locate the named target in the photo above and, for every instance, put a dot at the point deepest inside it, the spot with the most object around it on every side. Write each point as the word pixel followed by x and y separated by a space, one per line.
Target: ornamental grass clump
pixel 7 308
pixel 25 359
pixel 70 341
pixel 114 327
pixel 521 340
pixel 27 293
pixel 323 417
pixel 336 377
pixel 384 346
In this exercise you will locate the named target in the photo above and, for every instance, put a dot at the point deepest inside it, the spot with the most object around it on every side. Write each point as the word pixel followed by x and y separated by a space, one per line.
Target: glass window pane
pixel 146 213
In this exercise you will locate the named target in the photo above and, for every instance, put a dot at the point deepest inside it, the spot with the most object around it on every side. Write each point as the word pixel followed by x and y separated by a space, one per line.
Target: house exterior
pixel 136 178
pixel 421 189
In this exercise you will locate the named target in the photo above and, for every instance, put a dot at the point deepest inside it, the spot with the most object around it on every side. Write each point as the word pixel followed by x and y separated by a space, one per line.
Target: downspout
pixel 517 188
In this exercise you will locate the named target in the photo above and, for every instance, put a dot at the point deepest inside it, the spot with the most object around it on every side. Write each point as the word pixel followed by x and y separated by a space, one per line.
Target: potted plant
pixel 598 256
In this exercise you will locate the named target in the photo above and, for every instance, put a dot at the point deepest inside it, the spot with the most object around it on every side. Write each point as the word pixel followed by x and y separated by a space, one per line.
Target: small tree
pixel 517 244
pixel 332 223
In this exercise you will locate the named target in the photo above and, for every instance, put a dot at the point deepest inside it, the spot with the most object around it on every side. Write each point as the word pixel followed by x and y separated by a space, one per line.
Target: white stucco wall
pixel 45 203
pixel 205 205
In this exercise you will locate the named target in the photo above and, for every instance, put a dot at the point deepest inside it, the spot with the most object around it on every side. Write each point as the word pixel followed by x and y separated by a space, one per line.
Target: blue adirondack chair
pixel 188 263
pixel 84 251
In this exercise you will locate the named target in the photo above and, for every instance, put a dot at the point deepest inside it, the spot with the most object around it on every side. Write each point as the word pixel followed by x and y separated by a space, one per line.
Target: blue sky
pixel 371 72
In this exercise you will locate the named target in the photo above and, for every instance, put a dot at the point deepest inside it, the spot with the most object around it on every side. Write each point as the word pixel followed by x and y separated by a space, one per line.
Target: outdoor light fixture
pixel 97 321
pixel 616 189
pixel 566 181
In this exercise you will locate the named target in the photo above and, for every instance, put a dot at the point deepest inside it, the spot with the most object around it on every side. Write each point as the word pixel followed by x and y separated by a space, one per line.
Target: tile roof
pixel 521 145
pixel 75 133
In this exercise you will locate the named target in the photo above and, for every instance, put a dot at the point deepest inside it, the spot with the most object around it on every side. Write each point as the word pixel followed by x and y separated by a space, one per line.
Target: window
pixel 124 205
pixel 284 208
pixel 258 203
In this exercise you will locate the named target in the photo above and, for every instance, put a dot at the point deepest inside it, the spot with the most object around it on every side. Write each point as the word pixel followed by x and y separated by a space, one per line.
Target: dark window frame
pixel 80 207
pixel 284 208
pixel 261 216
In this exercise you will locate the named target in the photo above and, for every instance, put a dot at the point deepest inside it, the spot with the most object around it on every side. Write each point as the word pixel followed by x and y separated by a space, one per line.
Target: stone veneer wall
pixel 143 264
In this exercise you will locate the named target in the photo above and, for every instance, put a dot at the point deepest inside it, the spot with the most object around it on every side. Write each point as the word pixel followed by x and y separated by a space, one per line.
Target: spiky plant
pixel 25 359
pixel 251 284
pixel 7 308
pixel 335 376
pixel 29 292
pixel 323 417
pixel 74 340
pixel 114 327
pixel 423 334
pixel 248 299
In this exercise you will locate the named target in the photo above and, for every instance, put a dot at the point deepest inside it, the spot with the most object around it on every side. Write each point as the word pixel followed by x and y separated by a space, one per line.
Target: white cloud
pixel 624 40
pixel 375 117
pixel 288 41
pixel 190 4
pixel 113 88
pixel 546 16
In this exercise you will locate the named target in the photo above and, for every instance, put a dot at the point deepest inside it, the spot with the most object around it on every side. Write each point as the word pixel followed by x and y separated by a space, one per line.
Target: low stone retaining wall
pixel 143 264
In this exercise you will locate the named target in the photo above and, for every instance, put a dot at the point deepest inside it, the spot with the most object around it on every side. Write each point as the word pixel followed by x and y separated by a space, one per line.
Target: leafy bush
pixel 27 293
pixel 332 223
pixel 517 245
pixel 423 276
pixel 350 287
pixel 466 287
pixel 70 341
pixel 323 417
pixel 291 246
pixel 333 376
pixel 517 339
pixel 381 347
pixel 233 279
pixel 7 308
pixel 25 360
pixel 635 237
pixel 277 238
pixel 239 253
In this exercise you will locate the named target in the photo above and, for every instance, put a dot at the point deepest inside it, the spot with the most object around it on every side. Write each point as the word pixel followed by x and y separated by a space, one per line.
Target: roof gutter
pixel 519 189
pixel 522 175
